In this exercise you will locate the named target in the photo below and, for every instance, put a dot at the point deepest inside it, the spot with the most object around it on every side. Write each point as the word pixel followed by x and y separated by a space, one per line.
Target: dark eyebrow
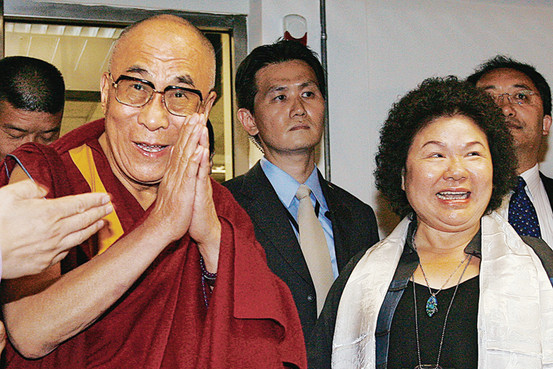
pixel 186 79
pixel 278 88
pixel 137 69
pixel 53 130
pixel 441 144
pixel 309 83
pixel 473 143
pixel 433 142
pixel 518 85
pixel 22 130
pixel 14 128
pixel 523 86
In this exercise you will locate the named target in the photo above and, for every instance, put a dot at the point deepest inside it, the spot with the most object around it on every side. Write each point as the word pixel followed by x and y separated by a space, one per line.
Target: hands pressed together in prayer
pixel 184 200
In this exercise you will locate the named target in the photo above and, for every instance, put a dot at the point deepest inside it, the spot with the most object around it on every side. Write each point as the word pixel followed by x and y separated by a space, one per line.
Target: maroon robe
pixel 162 320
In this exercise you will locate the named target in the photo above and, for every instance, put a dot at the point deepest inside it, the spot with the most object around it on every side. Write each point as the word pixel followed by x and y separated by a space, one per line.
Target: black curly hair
pixel 435 98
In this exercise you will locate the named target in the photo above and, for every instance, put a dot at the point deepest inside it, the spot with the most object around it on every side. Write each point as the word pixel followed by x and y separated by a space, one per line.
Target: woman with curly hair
pixel 453 286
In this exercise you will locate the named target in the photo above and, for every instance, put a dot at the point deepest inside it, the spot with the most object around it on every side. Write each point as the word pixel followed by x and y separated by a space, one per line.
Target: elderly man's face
pixel 140 139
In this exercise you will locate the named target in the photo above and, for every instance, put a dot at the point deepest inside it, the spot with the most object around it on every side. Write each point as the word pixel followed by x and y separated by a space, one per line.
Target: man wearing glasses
pixel 524 97
pixel 176 279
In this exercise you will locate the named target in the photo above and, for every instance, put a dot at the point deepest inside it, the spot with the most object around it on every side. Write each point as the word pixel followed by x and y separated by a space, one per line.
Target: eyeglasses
pixel 522 97
pixel 136 92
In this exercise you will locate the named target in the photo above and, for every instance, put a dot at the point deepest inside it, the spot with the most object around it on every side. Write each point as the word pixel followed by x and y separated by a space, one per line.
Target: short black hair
pixel 31 84
pixel 502 61
pixel 278 52
pixel 432 99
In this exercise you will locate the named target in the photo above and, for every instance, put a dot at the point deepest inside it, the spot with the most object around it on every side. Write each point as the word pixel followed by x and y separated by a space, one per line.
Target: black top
pixel 460 347
pixel 319 349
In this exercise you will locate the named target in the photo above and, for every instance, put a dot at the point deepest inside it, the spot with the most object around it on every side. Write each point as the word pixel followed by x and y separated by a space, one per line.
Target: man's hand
pixel 172 211
pixel 36 233
pixel 184 199
pixel 205 227
pixel 2 336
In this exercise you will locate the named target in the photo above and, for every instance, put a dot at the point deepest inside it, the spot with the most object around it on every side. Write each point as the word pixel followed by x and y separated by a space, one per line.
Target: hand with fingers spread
pixel 36 233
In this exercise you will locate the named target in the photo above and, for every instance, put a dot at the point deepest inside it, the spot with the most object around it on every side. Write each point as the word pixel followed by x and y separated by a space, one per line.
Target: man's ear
pixel 105 83
pixel 546 124
pixel 248 121
pixel 403 179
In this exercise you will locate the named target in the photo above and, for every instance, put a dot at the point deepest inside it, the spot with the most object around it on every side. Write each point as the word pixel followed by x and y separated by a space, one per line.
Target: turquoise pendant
pixel 431 306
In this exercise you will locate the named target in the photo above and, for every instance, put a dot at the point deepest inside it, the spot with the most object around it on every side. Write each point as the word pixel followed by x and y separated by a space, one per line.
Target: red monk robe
pixel 162 320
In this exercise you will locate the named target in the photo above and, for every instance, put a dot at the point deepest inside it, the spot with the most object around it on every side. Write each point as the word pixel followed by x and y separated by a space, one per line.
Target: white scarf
pixel 515 312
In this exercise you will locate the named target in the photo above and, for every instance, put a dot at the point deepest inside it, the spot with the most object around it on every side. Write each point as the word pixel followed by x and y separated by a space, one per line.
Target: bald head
pixel 167 31
pixel 158 56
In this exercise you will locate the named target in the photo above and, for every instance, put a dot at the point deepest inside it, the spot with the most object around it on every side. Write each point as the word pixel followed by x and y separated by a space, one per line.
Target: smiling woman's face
pixel 448 176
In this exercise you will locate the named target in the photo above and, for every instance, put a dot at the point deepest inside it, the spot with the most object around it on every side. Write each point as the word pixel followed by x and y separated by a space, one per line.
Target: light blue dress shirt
pixel 286 187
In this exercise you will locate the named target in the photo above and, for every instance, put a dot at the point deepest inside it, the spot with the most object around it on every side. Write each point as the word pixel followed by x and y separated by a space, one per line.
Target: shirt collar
pixel 532 179
pixel 286 186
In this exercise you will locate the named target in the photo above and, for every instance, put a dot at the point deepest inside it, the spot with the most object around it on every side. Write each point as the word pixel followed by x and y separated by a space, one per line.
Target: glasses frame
pixel 148 83
pixel 497 97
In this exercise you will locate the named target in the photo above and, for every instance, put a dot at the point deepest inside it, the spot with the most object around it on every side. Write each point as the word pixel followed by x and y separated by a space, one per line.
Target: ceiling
pixel 80 53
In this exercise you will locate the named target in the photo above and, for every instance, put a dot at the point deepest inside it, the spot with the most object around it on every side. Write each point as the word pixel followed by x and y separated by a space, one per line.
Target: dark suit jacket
pixel 548 184
pixel 353 225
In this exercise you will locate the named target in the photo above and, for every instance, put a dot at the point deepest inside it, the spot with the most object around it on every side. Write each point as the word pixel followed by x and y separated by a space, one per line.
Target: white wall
pixel 205 6
pixel 265 20
pixel 379 50
pixel 265 26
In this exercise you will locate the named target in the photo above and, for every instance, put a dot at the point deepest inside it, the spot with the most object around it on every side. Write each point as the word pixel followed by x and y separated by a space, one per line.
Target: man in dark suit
pixel 280 90
pixel 524 97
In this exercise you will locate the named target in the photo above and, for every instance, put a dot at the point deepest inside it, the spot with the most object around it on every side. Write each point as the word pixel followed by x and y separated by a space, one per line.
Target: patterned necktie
pixel 314 247
pixel 522 214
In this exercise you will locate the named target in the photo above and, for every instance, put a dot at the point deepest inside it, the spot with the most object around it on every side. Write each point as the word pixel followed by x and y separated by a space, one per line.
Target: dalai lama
pixel 177 280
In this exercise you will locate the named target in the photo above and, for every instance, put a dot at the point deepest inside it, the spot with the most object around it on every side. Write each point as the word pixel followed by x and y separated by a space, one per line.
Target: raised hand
pixel 36 232
pixel 205 227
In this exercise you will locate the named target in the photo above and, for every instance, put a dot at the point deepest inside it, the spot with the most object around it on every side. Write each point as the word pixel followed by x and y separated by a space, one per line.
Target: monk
pixel 177 280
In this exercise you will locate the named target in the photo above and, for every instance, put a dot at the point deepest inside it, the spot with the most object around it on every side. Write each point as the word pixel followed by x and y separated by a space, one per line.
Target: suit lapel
pixel 340 216
pixel 269 216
